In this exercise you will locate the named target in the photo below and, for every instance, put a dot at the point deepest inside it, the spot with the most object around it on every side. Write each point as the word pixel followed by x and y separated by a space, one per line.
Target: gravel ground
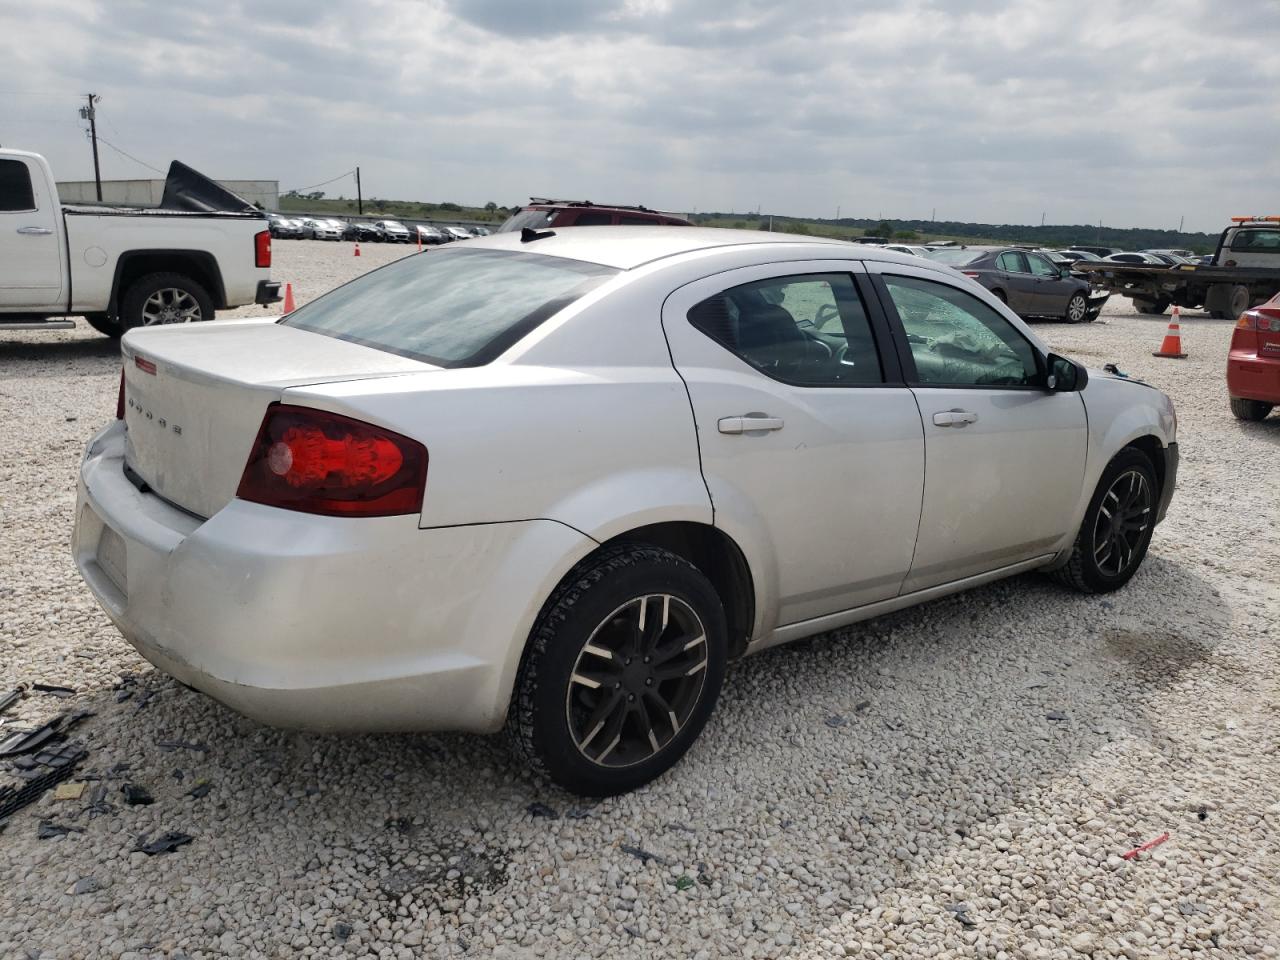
pixel 958 780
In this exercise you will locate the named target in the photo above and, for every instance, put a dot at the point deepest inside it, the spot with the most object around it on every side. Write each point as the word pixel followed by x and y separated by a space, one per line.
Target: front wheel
pixel 622 670
pixel 1249 409
pixel 1117 527
pixel 1077 308
pixel 164 298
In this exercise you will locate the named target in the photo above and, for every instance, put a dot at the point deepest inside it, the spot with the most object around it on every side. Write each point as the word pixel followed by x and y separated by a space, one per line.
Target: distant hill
pixel 1054 236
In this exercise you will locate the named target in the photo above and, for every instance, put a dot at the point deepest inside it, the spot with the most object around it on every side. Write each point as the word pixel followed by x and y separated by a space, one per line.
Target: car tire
pixel 164 298
pixel 104 324
pixel 1237 303
pixel 1077 308
pixel 1090 568
pixel 567 721
pixel 1252 410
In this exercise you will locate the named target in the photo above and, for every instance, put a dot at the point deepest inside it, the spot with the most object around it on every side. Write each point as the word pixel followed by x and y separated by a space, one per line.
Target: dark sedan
pixel 1030 283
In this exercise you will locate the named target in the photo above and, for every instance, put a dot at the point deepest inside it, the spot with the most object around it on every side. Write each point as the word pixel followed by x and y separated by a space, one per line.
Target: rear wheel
pixel 164 298
pixel 1077 308
pixel 104 324
pixel 1249 409
pixel 1151 307
pixel 1117 527
pixel 622 671
pixel 1238 302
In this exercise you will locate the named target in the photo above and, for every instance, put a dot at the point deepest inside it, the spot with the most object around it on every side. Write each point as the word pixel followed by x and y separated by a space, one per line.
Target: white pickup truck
pixel 203 249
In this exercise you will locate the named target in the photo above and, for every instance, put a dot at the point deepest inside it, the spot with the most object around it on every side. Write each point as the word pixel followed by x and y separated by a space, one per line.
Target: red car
pixel 1253 366
pixel 540 213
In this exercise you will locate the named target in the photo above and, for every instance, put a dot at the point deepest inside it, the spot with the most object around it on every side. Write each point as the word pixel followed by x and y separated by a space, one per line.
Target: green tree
pixel 491 207
pixel 882 229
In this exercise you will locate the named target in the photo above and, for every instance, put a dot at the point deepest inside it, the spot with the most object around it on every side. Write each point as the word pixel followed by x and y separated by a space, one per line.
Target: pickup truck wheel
pixel 1117 527
pixel 1238 302
pixel 1077 308
pixel 622 670
pixel 104 324
pixel 162 298
pixel 1249 409
pixel 1151 308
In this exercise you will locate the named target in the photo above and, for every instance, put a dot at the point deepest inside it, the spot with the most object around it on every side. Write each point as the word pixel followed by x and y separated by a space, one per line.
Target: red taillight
pixel 120 397
pixel 1248 321
pixel 321 462
pixel 262 249
pixel 971 273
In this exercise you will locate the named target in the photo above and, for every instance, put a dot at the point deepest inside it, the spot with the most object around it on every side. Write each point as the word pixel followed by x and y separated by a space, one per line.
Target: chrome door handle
pixel 954 418
pixel 35 231
pixel 748 424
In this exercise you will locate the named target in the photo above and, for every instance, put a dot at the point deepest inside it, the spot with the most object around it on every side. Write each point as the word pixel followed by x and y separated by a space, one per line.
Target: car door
pixel 31 271
pixel 1052 292
pixel 1004 456
pixel 1019 285
pixel 812 447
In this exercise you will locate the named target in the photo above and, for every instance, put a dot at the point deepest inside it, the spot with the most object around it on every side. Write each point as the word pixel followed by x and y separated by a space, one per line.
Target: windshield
pixel 459 308
pixel 956 256
pixel 533 219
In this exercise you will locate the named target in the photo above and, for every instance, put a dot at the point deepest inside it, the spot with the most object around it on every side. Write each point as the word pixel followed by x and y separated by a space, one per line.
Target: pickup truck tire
pixel 103 323
pixel 1151 308
pixel 164 298
pixel 1249 409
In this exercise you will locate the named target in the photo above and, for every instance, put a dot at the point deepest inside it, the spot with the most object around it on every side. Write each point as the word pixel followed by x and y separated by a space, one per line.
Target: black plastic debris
pixel 835 721
pixel 342 931
pixel 537 809
pixel 62 693
pixel 35 780
pixel 136 795
pixel 961 912
pixel 165 843
pixel 862 705
pixel 25 741
pixel 201 789
pixel 12 697
pixel 48 830
pixel 578 813
pixel 146 697
pixel 53 757
pixel 170 745
pixel 98 806
pixel 1203 813
pixel 682 827
pixel 644 856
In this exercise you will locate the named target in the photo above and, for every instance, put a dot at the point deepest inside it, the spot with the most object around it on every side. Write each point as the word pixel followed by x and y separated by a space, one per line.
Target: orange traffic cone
pixel 288 298
pixel 419 241
pixel 357 253
pixel 1172 346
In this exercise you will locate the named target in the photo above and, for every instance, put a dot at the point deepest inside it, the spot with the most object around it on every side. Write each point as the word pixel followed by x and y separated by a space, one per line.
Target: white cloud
pixel 987 111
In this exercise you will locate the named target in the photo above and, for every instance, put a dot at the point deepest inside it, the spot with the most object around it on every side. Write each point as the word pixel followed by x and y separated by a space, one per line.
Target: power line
pixel 324 184
pixel 102 139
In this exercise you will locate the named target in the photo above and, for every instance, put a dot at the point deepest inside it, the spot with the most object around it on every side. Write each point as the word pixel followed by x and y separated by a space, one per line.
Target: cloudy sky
pixel 994 111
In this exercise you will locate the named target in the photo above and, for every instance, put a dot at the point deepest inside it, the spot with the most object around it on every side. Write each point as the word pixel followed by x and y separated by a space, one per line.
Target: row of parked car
pixel 376 231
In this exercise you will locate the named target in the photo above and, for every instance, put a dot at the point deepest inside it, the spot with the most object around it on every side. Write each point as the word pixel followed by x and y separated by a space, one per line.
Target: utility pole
pixel 1181 222
pixel 359 197
pixel 1042 213
pixel 933 217
pixel 837 211
pixel 87 113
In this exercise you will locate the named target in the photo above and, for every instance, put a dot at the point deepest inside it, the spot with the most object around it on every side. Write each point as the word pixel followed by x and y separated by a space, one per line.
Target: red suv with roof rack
pixel 540 213
pixel 1253 366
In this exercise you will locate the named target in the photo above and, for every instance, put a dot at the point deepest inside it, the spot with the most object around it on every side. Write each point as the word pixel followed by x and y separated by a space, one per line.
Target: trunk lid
pixel 195 396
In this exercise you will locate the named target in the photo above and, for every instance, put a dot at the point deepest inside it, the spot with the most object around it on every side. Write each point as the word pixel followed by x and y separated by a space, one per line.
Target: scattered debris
pixel 84 885
pixel 62 693
pixel 12 697
pixel 24 741
pixel 1191 909
pixel 578 813
pixel 644 856
pixel 632 930
pixel 537 809
pixel 961 912
pixel 136 795
pixel 682 827
pixel 1149 845
pixel 684 882
pixel 147 697
pixel 201 789
pixel 1057 716
pixel 178 774
pixel 69 791
pixel 98 806
pixel 170 745
pixel 165 843
pixel 342 930
pixel 48 830
pixel 835 721
pixel 861 706
pixel 38 776
pixel 65 754
pixel 401 825
pixel 1203 813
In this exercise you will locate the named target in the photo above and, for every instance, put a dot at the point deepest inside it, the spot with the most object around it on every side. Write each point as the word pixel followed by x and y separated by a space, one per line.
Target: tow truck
pixel 1245 272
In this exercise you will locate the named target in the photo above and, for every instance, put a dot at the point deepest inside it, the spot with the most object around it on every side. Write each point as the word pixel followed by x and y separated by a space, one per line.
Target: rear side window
pixel 592 220
pixel 1012 263
pixel 457 308
pixel 15 186
pixel 1258 240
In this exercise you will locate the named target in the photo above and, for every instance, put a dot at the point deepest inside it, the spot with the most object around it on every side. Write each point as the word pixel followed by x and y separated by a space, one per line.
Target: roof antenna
pixel 528 235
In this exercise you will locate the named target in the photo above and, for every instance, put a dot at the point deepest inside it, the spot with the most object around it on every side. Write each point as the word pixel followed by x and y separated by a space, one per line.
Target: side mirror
pixel 1063 375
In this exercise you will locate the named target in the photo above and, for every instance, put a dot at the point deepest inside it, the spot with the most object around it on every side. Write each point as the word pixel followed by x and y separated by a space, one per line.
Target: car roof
pixel 628 247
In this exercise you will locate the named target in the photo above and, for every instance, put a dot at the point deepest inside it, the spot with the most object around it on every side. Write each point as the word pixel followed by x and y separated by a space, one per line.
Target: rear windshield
pixel 456 308
pixel 954 256
pixel 1262 241
pixel 532 219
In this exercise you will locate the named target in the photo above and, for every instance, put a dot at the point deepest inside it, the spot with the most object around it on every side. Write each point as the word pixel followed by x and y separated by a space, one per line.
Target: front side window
pixel 1012 263
pixel 810 330
pixel 15 186
pixel 1041 267
pixel 957 340
pixel 457 308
